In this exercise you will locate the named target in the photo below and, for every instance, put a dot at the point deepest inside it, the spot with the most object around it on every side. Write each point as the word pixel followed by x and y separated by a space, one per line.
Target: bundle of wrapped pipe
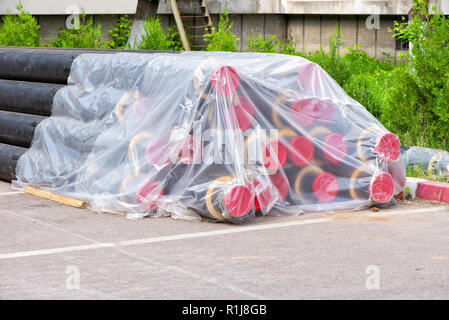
pixel 224 136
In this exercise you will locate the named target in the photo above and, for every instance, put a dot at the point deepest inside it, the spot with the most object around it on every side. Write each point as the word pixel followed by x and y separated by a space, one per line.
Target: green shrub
pixel 332 61
pixel 19 30
pixel 369 90
pixel 175 38
pixel 358 61
pixel 401 110
pixel 288 47
pixel 154 37
pixel 428 63
pixel 222 39
pixel 418 171
pixel 256 43
pixel 120 33
pixel 85 36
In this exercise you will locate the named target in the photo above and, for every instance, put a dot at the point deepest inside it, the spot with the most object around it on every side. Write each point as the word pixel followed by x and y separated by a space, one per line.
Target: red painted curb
pixel 433 191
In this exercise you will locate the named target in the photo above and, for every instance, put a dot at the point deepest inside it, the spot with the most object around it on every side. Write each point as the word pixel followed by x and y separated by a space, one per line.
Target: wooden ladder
pixel 193 16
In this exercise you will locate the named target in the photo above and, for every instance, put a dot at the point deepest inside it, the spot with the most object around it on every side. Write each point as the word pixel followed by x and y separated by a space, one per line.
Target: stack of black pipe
pixel 29 79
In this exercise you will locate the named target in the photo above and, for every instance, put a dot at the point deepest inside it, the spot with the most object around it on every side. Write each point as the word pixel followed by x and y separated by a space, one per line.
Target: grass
pixel 419 172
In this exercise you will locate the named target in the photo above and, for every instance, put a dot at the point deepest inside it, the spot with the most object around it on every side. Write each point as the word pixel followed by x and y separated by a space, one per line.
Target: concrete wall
pixel 337 7
pixel 309 23
pixel 59 7
pixel 310 32
pixel 50 25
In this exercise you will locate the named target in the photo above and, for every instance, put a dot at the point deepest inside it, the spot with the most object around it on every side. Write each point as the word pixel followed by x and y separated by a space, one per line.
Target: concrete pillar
pixel 251 23
pixel 165 21
pixel 348 26
pixel 107 23
pixel 366 37
pixel 215 18
pixel 328 25
pixel 50 25
pixel 312 33
pixel 385 41
pixel 236 29
pixel 275 24
pixel 295 31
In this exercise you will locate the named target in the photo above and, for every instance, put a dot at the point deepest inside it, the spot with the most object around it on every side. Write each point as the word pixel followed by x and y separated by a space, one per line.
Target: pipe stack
pixel 29 79
pixel 320 155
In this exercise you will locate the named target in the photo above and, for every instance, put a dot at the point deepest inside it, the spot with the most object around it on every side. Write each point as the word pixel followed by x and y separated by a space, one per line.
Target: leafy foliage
pixel 256 43
pixel 174 38
pixel 120 33
pixel 19 30
pixel 428 69
pixel 222 39
pixel 86 35
pixel 155 38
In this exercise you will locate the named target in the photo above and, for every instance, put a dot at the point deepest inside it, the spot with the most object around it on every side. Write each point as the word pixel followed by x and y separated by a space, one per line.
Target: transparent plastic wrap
pixel 223 136
pixel 433 161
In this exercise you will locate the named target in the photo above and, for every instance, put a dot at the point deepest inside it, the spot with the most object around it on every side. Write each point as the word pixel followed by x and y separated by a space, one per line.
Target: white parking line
pixel 182 236
pixel 231 230
pixel 10 193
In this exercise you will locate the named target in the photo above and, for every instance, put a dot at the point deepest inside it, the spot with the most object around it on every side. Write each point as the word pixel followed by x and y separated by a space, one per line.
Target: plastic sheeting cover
pixel 434 161
pixel 216 135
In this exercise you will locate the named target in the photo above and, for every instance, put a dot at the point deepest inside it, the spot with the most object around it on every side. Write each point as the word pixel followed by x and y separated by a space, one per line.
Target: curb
pixel 422 189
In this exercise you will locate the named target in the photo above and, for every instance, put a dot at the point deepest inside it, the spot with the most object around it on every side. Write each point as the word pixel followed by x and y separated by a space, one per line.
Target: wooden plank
pixel 54 197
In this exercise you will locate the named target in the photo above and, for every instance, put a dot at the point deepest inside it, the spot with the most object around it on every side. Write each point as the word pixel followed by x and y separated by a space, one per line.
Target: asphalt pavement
pixel 52 251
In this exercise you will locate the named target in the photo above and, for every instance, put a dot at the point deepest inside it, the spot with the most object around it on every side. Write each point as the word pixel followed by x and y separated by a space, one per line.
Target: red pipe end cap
pixel 309 76
pixel 274 155
pixel 225 80
pixel 187 153
pixel 388 147
pixel 302 110
pixel 305 111
pixel 301 151
pixel 325 187
pixel 381 187
pixel 157 152
pixel 238 200
pixel 153 189
pixel 262 198
pixel 243 111
pixel 281 184
pixel 335 147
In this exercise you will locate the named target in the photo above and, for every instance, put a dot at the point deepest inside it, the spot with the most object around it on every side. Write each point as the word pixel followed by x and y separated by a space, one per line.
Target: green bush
pixel 288 47
pixel 175 38
pixel 120 33
pixel 428 69
pixel 332 61
pixel 155 38
pixel 222 39
pixel 85 36
pixel 19 30
pixel 256 43
pixel 369 90
pixel 401 110
pixel 358 61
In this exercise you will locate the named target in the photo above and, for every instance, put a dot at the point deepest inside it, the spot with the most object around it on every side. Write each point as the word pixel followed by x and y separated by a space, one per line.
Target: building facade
pixel 308 23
